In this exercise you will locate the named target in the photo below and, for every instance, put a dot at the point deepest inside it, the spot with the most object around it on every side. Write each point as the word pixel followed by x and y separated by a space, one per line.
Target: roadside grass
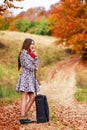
pixel 8 77
pixel 8 95
pixel 81 84
pixel 48 54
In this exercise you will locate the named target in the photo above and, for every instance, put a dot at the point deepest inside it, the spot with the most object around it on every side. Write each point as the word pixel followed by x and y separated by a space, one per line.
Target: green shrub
pixel 41 27
pixel 22 24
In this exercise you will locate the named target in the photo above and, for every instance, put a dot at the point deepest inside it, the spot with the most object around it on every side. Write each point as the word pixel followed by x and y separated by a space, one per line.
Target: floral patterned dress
pixel 26 79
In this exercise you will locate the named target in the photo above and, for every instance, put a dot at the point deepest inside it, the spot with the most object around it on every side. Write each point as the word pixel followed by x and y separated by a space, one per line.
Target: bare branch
pixel 8 4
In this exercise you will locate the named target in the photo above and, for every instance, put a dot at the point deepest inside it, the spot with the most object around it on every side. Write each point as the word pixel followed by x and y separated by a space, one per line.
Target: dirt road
pixel 65 112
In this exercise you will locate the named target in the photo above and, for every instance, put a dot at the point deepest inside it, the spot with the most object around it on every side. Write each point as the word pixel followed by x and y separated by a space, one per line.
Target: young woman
pixel 28 61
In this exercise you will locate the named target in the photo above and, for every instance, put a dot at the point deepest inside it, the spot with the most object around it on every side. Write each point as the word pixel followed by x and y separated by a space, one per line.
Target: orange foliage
pixel 68 20
pixel 33 13
pixel 12 26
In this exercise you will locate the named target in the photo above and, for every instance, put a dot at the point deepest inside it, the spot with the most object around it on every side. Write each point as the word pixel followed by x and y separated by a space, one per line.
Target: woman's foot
pixel 25 120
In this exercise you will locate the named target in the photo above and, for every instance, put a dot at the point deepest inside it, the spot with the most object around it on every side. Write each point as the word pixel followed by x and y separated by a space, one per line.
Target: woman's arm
pixel 28 62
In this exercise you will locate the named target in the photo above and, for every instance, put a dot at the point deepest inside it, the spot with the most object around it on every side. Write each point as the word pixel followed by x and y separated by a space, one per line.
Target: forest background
pixel 65 20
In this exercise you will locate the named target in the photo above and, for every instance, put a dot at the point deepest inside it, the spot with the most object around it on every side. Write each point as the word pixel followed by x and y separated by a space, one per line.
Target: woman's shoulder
pixel 24 51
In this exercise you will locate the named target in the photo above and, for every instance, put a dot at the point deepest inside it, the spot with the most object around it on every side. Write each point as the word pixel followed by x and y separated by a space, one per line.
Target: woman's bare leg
pixel 23 103
pixel 30 102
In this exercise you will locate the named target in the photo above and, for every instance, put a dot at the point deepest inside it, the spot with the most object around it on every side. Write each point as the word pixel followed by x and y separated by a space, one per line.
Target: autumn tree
pixel 8 4
pixel 33 13
pixel 68 20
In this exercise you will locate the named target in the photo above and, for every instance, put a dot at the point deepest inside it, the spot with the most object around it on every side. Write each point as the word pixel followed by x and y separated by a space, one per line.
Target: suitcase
pixel 42 108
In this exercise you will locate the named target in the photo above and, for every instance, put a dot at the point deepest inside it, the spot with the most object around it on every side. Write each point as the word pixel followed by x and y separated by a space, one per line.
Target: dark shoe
pixel 25 121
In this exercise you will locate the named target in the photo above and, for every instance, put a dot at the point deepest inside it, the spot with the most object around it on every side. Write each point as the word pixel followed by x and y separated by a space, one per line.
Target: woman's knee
pixel 23 95
pixel 31 95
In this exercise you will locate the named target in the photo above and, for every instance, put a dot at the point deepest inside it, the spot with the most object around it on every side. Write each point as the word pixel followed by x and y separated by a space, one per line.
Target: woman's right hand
pixel 34 52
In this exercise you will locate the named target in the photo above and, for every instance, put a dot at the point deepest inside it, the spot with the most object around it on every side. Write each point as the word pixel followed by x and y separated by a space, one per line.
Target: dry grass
pixel 14 40
pixel 81 83
pixel 8 56
pixel 17 37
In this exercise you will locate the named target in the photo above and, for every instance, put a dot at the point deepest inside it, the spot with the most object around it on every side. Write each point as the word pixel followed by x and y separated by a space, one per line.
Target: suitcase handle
pixel 35 82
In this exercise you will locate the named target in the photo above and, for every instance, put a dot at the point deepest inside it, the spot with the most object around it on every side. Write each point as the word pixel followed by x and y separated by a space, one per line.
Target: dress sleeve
pixel 28 62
